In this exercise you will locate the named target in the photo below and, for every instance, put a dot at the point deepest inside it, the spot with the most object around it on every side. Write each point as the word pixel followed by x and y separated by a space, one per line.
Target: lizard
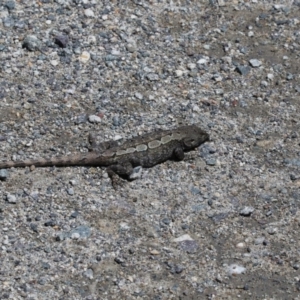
pixel 146 151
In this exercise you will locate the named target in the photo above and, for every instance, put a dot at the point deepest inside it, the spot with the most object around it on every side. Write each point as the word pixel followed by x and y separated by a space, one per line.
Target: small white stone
pixel 182 238
pixel 196 108
pixel 247 211
pixel 235 269
pixel 250 33
pixel 218 77
pixel 11 198
pixel 255 63
pixel 270 76
pixel 191 66
pixel 92 39
pixel 48 22
pixel 278 6
pixel 117 137
pixel 89 13
pixel 202 61
pixel 104 17
pixel 75 236
pixel 94 119
pixel 178 73
pixel 84 57
pixel 124 226
pixel 73 182
pixel 272 230
pixel 136 173
pixel 138 96
pixel 89 274
pixel 115 52
pixel 259 240
pixel 54 62
pixel 241 245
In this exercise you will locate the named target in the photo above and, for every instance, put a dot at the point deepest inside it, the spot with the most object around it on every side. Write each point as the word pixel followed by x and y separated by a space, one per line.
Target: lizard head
pixel 194 137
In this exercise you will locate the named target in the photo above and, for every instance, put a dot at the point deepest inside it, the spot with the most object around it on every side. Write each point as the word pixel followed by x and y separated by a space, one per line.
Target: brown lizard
pixel 147 151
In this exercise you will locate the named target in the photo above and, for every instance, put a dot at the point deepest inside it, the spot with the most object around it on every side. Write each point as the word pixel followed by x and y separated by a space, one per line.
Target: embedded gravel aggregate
pixel 223 223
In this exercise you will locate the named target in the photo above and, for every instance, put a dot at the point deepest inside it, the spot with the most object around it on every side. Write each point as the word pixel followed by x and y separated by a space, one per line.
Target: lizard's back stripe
pixel 154 144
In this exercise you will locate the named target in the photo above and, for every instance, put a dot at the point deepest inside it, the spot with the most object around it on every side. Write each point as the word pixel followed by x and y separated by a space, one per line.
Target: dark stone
pixel 61 41
pixel 243 70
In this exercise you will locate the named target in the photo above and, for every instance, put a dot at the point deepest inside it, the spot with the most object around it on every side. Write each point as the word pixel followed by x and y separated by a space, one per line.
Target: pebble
pixel 289 76
pixel 11 198
pixel 74 215
pixel 54 62
pixel 241 245
pixel 89 13
pixel 270 76
pixel 70 191
pixel 84 57
pixel 272 230
pixel 136 173
pixel 255 63
pixel 94 119
pixel 75 235
pixel 243 70
pixel 131 48
pixel 235 269
pixel 34 227
pixel 246 211
pixel 259 240
pixel 219 91
pixel 82 231
pixel 3 174
pixel 89 273
pixel 178 73
pixel 202 61
pixel 31 43
pixel 61 40
pixel 10 5
pixel 73 182
pixel 211 162
pixel 124 226
pixel 92 39
pixel 191 66
pixel 189 246
pixel 80 119
pixel 182 238
pixel 152 77
pixel 139 96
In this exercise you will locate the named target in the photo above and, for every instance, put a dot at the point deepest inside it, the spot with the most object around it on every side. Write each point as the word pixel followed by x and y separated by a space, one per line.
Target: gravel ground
pixel 223 223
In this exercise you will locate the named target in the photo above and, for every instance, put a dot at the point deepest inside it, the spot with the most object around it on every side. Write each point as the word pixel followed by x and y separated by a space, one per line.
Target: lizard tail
pixel 60 161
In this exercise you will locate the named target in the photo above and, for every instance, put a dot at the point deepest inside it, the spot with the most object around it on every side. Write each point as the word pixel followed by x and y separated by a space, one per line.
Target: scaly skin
pixel 146 151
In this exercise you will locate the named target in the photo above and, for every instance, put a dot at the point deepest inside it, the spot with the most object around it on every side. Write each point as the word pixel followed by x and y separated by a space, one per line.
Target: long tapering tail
pixel 79 159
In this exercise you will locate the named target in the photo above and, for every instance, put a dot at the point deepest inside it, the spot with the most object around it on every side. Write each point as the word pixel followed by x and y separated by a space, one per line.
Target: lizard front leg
pixel 123 170
pixel 178 153
pixel 118 171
